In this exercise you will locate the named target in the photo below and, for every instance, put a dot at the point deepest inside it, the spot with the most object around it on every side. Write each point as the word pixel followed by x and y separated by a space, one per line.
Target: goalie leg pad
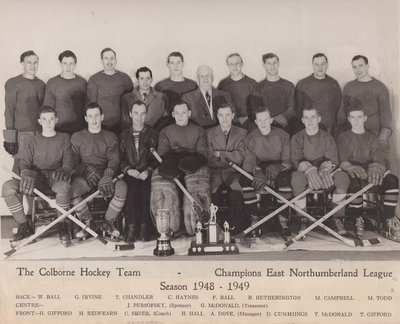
pixel 198 185
pixel 164 195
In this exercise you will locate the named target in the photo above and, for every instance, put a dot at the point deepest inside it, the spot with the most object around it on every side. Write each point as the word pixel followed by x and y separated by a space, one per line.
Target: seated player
pixel 314 156
pixel 46 164
pixel 138 164
pixel 183 149
pixel 361 157
pixel 225 143
pixel 268 159
pixel 96 157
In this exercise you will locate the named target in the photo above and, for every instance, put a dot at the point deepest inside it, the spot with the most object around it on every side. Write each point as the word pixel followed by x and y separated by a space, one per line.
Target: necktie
pixel 226 135
pixel 144 96
pixel 208 98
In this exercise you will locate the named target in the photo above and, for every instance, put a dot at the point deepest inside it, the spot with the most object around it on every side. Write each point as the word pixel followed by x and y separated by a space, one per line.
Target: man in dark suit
pixel 225 143
pixel 155 101
pixel 205 100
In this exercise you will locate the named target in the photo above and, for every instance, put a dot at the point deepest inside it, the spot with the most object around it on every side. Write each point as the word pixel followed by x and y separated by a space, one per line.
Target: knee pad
pixel 390 182
pixel 121 188
pixel 61 187
pixel 10 188
pixel 79 187
pixel 342 181
pixel 283 179
pixel 298 182
pixel 354 186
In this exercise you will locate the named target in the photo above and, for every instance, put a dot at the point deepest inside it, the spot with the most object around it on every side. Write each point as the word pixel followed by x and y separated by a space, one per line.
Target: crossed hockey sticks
pixel 64 215
pixel 316 222
pixel 199 210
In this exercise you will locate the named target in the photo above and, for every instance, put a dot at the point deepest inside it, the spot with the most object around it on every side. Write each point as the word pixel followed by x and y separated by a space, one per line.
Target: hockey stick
pixel 64 215
pixel 271 215
pixel 199 210
pixel 334 210
pixel 302 212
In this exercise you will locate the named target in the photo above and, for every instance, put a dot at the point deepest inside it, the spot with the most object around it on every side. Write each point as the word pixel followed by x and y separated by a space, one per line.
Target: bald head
pixel 205 77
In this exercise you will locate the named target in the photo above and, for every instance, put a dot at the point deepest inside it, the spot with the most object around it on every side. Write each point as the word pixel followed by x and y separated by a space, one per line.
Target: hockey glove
pixel 10 141
pixel 260 180
pixel 106 185
pixel 191 162
pixel 62 174
pixel 281 120
pixel 271 171
pixel 168 168
pixel 27 183
pixel 313 179
pixel 92 176
pixel 375 173
pixel 354 171
pixel 325 170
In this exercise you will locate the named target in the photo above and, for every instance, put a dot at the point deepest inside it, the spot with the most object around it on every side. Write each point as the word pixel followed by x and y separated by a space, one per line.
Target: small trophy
pixel 218 241
pixel 163 247
pixel 212 225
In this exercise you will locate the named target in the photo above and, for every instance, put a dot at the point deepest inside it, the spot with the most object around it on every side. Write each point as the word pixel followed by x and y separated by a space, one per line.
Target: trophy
pixel 218 241
pixel 163 247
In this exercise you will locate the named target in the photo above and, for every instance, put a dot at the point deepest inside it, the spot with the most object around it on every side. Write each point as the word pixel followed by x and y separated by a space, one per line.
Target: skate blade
pixel 75 241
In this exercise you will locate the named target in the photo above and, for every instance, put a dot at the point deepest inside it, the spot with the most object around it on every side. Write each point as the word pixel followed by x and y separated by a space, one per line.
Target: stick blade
pixel 10 252
pixel 371 241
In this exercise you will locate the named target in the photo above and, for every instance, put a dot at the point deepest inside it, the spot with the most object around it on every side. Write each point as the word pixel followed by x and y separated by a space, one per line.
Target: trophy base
pixel 163 248
pixel 213 249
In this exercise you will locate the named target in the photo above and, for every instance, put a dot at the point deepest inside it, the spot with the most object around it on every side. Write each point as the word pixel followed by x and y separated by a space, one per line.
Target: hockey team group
pixel 72 137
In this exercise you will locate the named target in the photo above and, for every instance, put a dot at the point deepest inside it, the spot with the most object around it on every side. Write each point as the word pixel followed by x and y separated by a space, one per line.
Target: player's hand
pixel 134 173
pixel 143 176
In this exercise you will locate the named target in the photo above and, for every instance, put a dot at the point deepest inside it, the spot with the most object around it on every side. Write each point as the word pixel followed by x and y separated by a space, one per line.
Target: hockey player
pixel 225 143
pixel 320 91
pixel 183 149
pixel 138 164
pixel 243 90
pixel 176 84
pixel 23 98
pixel 314 155
pixel 66 93
pixel 206 99
pixel 361 157
pixel 96 157
pixel 373 96
pixel 46 164
pixel 278 95
pixel 268 159
pixel 155 101
pixel 107 87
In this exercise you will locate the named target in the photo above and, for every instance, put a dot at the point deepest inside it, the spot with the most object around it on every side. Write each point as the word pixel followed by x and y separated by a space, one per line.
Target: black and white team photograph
pixel 139 132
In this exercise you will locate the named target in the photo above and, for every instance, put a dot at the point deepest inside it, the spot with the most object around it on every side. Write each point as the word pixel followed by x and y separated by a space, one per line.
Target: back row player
pixel 68 92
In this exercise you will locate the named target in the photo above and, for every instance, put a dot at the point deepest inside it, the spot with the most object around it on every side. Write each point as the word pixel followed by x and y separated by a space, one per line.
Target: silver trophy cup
pixel 163 247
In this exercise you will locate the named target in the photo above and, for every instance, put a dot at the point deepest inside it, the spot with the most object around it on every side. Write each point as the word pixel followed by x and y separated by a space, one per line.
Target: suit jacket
pixel 156 102
pixel 200 111
pixel 233 150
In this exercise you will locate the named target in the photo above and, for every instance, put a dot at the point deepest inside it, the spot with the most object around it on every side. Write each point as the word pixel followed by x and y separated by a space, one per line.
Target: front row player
pixel 183 148
pixel 314 155
pixel 46 164
pixel 361 157
pixel 268 159
pixel 96 156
